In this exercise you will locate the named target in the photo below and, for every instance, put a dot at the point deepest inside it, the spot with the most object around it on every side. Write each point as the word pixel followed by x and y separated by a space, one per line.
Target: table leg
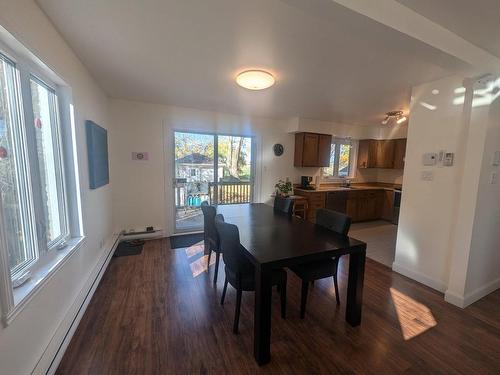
pixel 355 287
pixel 262 316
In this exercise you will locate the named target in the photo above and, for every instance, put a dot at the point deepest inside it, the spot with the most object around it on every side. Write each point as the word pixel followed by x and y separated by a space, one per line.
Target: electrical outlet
pixel 427 175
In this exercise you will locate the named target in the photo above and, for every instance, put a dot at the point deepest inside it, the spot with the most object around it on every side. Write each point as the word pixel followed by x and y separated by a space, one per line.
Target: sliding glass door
pixel 213 168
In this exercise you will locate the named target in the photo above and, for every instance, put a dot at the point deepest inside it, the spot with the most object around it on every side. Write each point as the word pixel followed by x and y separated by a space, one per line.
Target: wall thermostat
pixel 429 158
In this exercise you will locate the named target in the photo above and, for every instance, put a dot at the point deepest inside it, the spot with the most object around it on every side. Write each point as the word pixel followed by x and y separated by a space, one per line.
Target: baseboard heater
pixel 144 235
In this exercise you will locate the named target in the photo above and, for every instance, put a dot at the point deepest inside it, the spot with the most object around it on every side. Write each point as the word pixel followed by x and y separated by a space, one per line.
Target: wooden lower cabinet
pixel 360 205
pixel 315 200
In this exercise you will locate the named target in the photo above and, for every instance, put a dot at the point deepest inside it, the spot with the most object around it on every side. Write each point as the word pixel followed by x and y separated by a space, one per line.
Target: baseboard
pixel 421 278
pixel 54 351
pixel 470 298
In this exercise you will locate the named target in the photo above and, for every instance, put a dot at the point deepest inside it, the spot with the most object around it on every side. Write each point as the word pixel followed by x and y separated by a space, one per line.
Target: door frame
pixel 170 180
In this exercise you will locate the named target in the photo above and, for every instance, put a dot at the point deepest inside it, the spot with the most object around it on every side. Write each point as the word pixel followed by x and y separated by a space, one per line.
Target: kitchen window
pixel 39 222
pixel 341 160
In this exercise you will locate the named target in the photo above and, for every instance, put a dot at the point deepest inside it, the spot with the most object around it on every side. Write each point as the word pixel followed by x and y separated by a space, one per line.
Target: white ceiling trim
pixel 403 19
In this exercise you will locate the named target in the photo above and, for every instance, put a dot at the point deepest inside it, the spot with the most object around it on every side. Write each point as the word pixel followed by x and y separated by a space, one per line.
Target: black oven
pixel 397 205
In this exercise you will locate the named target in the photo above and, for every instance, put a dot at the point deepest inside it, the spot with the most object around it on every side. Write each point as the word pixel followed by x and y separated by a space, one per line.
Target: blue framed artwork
pixel 97 151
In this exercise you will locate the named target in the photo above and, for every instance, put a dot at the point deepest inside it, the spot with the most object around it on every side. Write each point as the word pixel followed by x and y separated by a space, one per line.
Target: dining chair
pixel 210 235
pixel 240 272
pixel 309 272
pixel 283 204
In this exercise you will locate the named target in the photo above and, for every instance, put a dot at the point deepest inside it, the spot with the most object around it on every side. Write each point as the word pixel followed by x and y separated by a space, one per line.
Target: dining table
pixel 273 240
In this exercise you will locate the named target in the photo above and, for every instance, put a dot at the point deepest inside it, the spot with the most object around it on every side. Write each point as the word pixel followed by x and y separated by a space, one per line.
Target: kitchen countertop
pixel 328 189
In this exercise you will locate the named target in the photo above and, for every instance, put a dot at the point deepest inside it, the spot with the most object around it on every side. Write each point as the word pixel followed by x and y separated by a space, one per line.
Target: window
pixel 50 172
pixel 17 210
pixel 35 214
pixel 340 160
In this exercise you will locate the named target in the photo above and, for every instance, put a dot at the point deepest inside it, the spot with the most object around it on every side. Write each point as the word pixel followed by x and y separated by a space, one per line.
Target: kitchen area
pixel 370 198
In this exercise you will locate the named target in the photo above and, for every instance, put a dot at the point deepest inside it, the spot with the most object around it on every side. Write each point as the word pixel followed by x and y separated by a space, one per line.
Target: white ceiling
pixel 477 21
pixel 330 62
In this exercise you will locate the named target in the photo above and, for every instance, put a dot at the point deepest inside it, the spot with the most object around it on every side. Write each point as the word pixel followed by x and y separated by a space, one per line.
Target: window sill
pixel 24 293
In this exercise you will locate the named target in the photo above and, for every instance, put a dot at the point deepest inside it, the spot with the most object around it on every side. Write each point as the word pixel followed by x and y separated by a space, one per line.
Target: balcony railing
pixel 218 193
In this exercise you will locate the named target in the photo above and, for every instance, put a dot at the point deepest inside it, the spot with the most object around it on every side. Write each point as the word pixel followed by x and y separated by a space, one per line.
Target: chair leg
pixel 237 311
pixel 336 284
pixel 283 297
pixel 223 292
pixel 335 281
pixel 303 299
pixel 217 258
pixel 208 261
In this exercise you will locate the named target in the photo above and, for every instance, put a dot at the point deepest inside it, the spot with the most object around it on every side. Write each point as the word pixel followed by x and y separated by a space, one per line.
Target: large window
pixel 17 210
pixel 341 164
pixel 34 207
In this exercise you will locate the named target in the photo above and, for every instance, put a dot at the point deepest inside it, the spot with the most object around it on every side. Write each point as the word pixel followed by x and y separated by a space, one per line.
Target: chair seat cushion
pixel 315 270
pixel 248 279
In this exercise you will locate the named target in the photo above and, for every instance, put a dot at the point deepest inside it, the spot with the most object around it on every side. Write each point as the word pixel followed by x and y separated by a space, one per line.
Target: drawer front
pixel 315 205
pixel 317 198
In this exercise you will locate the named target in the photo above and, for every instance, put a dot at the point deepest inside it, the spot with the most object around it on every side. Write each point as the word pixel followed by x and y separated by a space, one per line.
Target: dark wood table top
pixel 277 240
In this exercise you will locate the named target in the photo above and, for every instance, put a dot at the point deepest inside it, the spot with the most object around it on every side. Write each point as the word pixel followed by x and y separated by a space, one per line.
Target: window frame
pixel 45 246
pixel 23 171
pixel 337 142
pixel 51 256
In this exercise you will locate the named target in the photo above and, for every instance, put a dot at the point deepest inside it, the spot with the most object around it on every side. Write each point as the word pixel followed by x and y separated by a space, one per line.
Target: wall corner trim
pixel 475 295
pixel 53 353
pixel 421 278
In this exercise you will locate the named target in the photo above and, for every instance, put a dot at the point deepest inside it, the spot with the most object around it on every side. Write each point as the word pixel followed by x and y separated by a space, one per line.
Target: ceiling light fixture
pixel 255 79
pixel 394 115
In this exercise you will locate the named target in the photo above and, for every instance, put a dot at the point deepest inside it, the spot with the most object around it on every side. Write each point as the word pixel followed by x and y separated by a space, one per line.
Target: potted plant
pixel 284 188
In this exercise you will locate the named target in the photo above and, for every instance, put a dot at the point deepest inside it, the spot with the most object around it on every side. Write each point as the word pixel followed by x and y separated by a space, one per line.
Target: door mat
pixel 186 240
pixel 126 248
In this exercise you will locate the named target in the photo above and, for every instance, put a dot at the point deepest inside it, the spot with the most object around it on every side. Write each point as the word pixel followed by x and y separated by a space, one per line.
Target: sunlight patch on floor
pixel 414 317
pixel 197 248
pixel 200 265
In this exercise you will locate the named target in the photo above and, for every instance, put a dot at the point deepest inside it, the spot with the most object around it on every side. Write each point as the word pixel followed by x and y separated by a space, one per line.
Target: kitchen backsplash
pixel 391 176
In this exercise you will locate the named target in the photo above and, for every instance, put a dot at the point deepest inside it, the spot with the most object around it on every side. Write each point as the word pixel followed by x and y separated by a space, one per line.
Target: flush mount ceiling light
pixel 394 115
pixel 255 79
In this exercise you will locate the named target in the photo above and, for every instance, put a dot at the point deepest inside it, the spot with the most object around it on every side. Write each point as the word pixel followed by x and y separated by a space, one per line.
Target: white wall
pixel 142 191
pixel 448 229
pixel 427 207
pixel 483 274
pixel 23 342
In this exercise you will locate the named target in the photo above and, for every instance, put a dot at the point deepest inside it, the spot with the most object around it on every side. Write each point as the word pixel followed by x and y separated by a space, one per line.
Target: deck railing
pixel 218 193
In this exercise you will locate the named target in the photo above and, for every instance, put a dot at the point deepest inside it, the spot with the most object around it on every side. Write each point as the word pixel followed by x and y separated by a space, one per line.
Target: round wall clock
pixel 278 149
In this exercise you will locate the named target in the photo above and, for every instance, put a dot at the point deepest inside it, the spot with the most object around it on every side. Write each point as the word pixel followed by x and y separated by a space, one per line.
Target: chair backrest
pixel 209 223
pixel 230 245
pixel 283 204
pixel 333 220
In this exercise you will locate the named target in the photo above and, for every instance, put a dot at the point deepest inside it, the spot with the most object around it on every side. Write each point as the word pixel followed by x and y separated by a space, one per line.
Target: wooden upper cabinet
pixel 399 153
pixel 312 150
pixel 367 153
pixel 325 147
pixel 385 153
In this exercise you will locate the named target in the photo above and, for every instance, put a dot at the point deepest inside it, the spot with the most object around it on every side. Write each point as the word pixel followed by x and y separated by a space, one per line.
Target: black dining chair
pixel 240 272
pixel 283 204
pixel 210 235
pixel 309 272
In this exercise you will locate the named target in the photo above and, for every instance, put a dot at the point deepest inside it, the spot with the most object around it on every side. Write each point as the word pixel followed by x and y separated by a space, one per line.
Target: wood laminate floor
pixel 159 313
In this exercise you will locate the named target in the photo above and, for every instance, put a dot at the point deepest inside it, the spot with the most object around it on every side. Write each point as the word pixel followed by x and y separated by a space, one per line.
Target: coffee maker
pixel 305 182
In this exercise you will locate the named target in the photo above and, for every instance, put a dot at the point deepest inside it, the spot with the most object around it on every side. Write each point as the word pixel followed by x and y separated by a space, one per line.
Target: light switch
pixel 494 178
pixel 496 158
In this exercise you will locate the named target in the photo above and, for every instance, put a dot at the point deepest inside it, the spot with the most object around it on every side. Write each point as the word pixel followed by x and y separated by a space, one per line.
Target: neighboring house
pixel 195 167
